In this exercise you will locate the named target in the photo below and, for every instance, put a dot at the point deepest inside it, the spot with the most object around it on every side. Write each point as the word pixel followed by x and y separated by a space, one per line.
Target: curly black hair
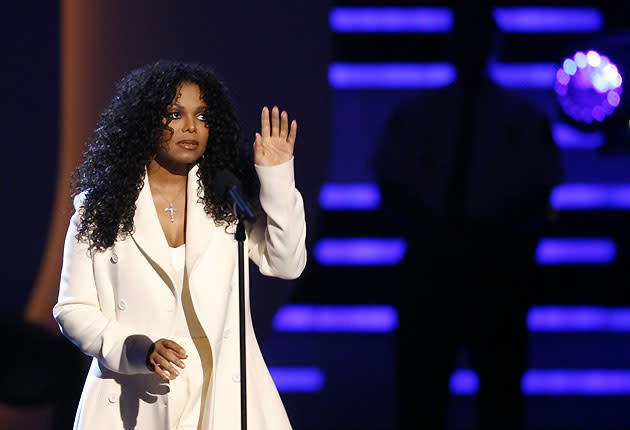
pixel 127 137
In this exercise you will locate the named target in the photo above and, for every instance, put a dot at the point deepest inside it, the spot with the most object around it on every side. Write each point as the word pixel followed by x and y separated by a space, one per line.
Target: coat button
pixel 236 377
pixel 227 333
pixel 114 259
pixel 112 398
pixel 122 305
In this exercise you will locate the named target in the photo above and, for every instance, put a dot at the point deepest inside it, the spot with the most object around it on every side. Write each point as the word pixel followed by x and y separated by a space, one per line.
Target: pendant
pixel 172 211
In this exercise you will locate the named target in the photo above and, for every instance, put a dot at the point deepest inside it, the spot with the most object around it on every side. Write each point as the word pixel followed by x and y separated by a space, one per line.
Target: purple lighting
pixel 562 382
pixel 523 75
pixel 360 251
pixel 390 75
pixel 561 251
pixel 390 19
pixel 588 86
pixel 578 319
pixel 463 382
pixel 548 19
pixel 336 318
pixel 580 196
pixel 297 379
pixel 567 137
pixel 554 382
pixel 349 196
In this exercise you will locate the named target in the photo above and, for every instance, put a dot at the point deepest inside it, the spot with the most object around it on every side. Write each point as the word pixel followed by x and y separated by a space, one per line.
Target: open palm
pixel 274 144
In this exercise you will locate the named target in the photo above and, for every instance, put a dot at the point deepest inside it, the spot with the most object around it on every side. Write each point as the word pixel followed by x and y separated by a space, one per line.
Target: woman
pixel 149 284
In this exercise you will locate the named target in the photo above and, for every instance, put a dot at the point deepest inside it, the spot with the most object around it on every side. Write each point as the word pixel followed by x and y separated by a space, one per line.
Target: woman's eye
pixel 202 117
pixel 173 115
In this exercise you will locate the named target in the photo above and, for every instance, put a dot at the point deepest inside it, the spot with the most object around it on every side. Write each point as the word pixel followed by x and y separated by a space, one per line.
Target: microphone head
pixel 225 180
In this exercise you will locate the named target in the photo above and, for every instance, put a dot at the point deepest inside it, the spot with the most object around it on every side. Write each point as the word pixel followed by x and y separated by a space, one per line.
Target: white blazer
pixel 114 304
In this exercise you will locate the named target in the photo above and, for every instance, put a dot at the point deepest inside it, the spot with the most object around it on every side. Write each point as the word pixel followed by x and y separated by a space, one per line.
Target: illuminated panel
pixel 349 196
pixel 390 20
pixel 567 137
pixel 554 382
pixel 434 75
pixel 576 382
pixel 548 19
pixel 566 251
pixel 297 379
pixel 360 251
pixel 336 318
pixel 581 196
pixel 572 196
pixel 523 75
pixel 390 75
pixel 578 319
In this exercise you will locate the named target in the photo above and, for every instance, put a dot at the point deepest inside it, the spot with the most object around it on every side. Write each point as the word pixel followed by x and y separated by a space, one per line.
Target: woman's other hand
pixel 163 356
pixel 274 144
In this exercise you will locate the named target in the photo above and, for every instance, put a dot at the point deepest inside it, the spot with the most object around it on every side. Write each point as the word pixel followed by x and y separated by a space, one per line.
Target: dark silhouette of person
pixel 466 173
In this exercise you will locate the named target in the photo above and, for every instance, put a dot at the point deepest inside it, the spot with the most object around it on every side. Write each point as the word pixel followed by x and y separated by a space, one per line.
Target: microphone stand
pixel 240 238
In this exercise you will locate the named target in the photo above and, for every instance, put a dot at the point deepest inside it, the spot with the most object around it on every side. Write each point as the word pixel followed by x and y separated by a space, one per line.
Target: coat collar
pixel 150 238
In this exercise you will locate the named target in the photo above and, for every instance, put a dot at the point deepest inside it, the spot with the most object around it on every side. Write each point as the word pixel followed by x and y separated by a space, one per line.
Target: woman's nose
pixel 189 125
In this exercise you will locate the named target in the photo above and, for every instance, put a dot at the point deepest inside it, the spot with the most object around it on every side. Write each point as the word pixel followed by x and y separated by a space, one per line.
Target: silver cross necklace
pixel 170 207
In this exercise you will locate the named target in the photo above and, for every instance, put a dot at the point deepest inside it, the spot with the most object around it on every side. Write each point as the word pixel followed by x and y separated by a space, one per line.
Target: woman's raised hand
pixel 274 144
pixel 163 356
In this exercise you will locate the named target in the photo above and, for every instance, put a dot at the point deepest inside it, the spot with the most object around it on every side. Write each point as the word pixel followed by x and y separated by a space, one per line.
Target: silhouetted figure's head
pixel 473 37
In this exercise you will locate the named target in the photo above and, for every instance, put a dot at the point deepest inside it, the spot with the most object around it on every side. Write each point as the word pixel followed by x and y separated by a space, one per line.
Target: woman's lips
pixel 188 144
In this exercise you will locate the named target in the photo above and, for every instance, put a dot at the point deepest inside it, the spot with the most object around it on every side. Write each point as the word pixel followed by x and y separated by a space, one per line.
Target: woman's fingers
pixel 265 127
pixel 275 121
pixel 165 366
pixel 172 355
pixel 164 356
pixel 174 346
pixel 292 133
pixel 277 125
pixel 284 124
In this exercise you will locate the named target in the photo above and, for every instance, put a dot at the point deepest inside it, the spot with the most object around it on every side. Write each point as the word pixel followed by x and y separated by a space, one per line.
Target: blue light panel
pixel 523 75
pixel 390 75
pixel 576 382
pixel 336 318
pixel 390 19
pixel 360 251
pixel 567 137
pixel 578 319
pixel 554 382
pixel 297 379
pixel 573 251
pixel 572 196
pixel 435 75
pixel 355 196
pixel 580 196
pixel 548 19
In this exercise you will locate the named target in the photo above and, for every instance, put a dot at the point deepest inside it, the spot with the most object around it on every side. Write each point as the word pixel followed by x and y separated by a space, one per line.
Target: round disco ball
pixel 588 87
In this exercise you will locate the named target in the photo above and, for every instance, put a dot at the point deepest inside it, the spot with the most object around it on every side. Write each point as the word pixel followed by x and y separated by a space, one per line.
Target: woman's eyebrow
pixel 198 108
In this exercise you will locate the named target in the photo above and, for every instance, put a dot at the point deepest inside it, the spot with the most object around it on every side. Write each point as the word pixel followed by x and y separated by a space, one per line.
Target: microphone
pixel 229 187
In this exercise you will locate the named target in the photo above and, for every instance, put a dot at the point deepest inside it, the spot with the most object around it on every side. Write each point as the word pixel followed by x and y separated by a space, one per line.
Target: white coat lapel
pixel 148 233
pixel 199 225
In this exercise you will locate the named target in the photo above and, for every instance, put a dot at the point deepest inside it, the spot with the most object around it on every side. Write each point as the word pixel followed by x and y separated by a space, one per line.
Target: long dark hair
pixel 126 140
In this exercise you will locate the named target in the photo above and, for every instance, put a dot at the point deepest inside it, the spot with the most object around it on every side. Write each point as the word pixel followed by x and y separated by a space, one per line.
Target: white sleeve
pixel 81 318
pixel 277 243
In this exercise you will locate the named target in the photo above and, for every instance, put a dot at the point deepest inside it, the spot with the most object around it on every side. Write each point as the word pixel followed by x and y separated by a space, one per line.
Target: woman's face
pixel 187 116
